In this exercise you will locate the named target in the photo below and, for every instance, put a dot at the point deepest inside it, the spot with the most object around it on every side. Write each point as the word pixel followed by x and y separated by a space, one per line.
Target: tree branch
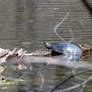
pixel 68 78
pixel 77 85
pixel 88 6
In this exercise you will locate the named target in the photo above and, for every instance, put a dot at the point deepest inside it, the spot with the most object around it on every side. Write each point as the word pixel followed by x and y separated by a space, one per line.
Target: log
pixel 21 57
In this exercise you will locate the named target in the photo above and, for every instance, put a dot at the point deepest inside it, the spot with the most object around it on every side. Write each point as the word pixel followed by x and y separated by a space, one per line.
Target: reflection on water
pixel 28 23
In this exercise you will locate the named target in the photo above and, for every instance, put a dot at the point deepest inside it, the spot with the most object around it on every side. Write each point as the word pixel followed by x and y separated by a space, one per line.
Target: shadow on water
pixel 27 24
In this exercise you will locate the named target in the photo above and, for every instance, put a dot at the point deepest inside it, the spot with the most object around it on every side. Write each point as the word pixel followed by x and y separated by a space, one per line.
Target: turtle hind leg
pixel 53 53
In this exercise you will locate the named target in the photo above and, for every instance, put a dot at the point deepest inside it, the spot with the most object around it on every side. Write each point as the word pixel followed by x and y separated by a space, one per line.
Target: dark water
pixel 27 24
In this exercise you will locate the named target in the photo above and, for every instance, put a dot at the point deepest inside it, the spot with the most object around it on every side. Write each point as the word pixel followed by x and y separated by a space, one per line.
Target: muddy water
pixel 27 24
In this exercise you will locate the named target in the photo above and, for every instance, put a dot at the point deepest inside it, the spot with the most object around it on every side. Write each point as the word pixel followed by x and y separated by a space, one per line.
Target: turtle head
pixel 47 45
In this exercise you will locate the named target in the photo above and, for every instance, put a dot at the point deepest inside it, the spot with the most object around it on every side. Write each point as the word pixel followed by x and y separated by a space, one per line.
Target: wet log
pixel 20 56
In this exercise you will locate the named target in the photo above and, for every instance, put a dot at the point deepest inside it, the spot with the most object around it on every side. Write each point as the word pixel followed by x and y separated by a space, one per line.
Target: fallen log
pixel 19 56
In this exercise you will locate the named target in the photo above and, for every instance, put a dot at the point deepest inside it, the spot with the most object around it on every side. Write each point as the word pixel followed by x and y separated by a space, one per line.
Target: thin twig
pixel 88 6
pixel 77 77
pixel 42 80
pixel 68 78
pixel 77 85
pixel 61 22
pixel 72 36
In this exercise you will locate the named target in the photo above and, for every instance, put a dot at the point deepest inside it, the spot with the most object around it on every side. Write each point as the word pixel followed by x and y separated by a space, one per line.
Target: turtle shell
pixel 71 51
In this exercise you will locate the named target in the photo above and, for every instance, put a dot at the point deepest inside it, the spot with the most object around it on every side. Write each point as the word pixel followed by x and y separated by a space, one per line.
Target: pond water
pixel 27 24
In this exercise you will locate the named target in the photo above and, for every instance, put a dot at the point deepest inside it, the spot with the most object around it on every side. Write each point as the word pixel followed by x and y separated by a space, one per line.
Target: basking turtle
pixel 70 51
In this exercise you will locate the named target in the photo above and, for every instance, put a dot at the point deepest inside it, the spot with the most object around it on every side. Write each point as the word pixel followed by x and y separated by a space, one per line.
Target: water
pixel 27 24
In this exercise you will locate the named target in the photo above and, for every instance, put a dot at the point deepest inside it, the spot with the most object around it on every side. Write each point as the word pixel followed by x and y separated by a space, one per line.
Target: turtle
pixel 70 51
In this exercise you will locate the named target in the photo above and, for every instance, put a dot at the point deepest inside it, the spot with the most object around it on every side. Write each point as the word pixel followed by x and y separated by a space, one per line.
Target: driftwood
pixel 18 56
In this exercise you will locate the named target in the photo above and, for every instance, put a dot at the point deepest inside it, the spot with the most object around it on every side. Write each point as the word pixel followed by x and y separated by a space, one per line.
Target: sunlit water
pixel 27 24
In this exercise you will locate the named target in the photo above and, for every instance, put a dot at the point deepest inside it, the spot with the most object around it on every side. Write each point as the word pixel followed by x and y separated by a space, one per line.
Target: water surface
pixel 27 24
